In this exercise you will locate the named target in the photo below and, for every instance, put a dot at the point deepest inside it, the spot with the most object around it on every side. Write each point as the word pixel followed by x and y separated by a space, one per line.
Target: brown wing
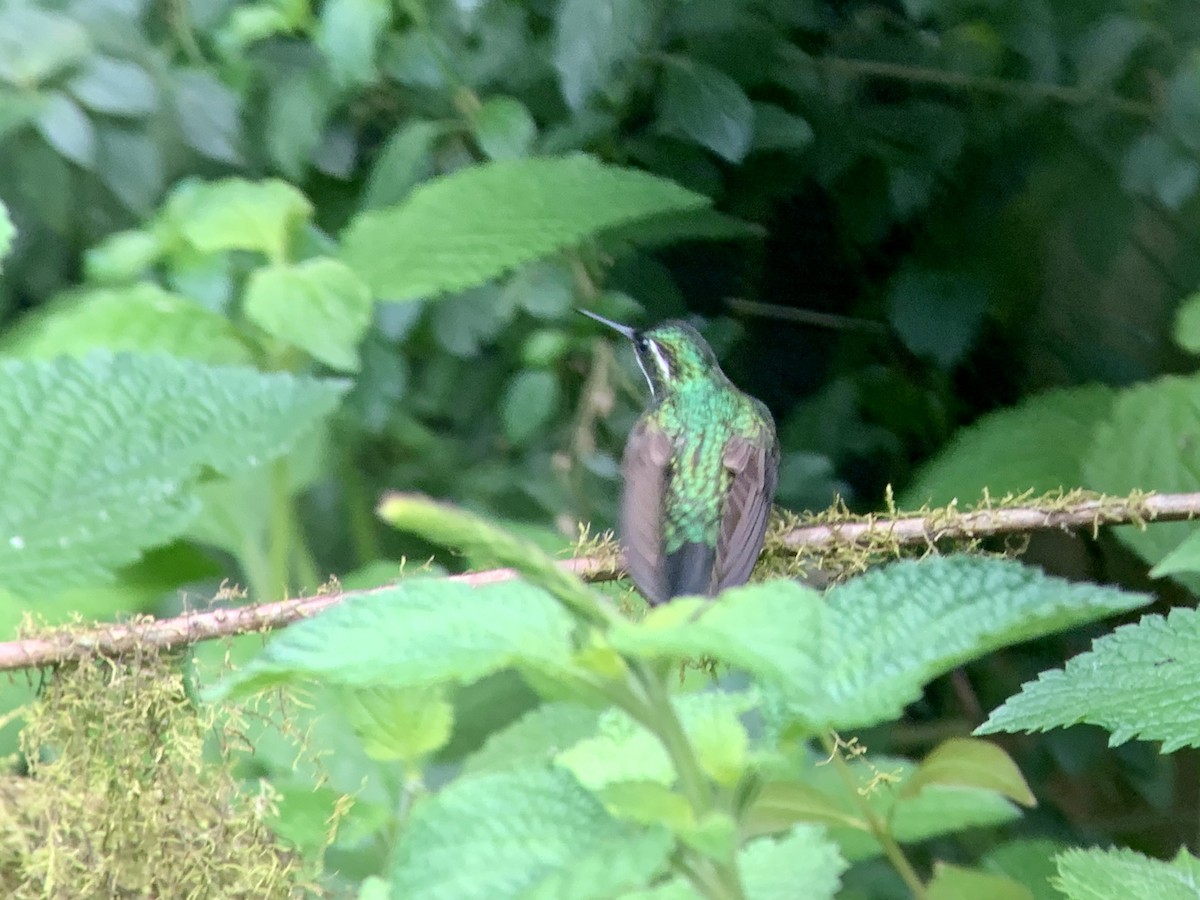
pixel 755 471
pixel 645 468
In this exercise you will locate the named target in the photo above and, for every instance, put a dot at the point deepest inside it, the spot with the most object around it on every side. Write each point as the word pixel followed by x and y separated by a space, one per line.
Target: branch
pixel 939 525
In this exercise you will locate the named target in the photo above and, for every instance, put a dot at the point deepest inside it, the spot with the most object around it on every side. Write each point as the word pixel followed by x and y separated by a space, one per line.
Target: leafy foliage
pixel 997 203
pixel 100 453
pixel 1084 874
pixel 1137 682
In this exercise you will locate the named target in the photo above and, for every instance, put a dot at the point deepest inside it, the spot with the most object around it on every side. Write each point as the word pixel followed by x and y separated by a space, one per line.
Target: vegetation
pixel 264 262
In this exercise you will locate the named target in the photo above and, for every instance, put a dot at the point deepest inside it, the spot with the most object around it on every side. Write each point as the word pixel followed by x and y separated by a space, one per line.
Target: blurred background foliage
pixel 990 198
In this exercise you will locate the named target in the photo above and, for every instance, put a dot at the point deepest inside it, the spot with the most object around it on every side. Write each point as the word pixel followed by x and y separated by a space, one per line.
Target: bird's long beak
pixel 618 328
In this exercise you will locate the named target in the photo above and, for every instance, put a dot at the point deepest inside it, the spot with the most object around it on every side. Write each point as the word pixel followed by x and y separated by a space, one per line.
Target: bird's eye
pixel 642 343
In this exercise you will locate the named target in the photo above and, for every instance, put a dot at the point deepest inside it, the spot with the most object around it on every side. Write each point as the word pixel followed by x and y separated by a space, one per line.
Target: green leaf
pixel 98 454
pixel 1187 324
pixel 406 160
pixel 68 130
pixel 348 34
pixel 781 804
pixel 1105 874
pixel 117 87
pixel 966 762
pixel 122 256
pixel 235 214
pixel 955 882
pixel 530 401
pixel 707 106
pixel 772 629
pixel 318 305
pixel 621 751
pixel 1052 430
pixel 140 317
pixel 1149 442
pixel 675 227
pixel 452 527
pixel 7 233
pixel 36 43
pixel 504 129
pixel 1183 104
pixel 1030 862
pixel 1184 558
pixel 209 115
pixel 777 129
pixel 475 224
pixel 891 631
pixel 535 738
pixel 418 633
pixel 544 289
pixel 131 165
pixel 404 724
pixel 772 869
pixel 594 40
pixel 937 312
pixel 1143 680
pixel 533 832
pixel 1160 169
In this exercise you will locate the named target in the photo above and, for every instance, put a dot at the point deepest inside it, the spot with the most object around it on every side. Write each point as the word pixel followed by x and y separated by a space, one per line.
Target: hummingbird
pixel 699 469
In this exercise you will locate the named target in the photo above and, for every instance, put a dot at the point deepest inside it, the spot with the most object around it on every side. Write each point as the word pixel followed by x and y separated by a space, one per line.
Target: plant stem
pixel 879 829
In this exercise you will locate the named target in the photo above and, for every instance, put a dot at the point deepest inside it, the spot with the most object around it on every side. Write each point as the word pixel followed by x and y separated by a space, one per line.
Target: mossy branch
pixel 833 540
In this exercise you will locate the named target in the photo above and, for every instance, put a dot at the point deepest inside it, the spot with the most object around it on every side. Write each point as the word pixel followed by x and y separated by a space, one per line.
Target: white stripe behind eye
pixel 664 368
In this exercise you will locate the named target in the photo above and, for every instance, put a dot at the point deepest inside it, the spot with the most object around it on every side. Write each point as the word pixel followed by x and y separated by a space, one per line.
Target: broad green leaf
pixel 1149 442
pixel 348 34
pixel 405 724
pixel 506 834
pixel 624 750
pixel 1143 680
pixel 131 163
pixel 470 226
pixel 123 256
pixel 649 803
pixel 891 631
pixel 774 868
pixel 1183 104
pixel 545 290
pixel 36 43
pixel 879 781
pixel 374 888
pixel 628 860
pixel 1030 862
pixel 955 882
pixel 98 454
pixel 777 129
pixel 529 402
pixel 235 214
pixel 7 233
pixel 209 115
pixel 1159 168
pixel 1184 558
pixel 781 804
pixel 504 129
pixel 705 105
pixel 406 159
pixel 318 305
pixel 621 751
pixel 1052 431
pixel 114 86
pixel 457 528
pixel 773 630
pixel 937 312
pixel 141 317
pixel 535 738
pixel 1114 874
pixel 674 227
pixel 967 762
pixel 418 633
pixel 594 40
pixel 1187 324
pixel 68 130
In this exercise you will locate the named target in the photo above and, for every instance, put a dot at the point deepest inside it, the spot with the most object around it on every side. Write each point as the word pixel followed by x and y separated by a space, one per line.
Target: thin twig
pixel 114 640
pixel 1061 93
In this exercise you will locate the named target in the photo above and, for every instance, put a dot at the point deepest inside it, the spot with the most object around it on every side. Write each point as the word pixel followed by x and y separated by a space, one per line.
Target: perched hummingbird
pixel 700 469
